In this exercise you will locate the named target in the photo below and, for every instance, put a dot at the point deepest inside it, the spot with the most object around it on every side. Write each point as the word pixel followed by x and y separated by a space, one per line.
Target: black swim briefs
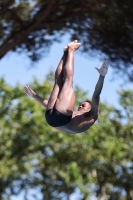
pixel 56 119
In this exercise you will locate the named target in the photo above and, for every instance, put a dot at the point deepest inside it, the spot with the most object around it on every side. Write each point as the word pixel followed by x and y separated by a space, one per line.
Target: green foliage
pixel 36 156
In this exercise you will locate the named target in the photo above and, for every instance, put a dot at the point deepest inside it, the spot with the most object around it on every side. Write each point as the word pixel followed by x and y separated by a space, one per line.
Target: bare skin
pixel 63 98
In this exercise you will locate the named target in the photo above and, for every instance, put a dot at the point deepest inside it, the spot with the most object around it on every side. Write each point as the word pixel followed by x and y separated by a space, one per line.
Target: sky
pixel 16 68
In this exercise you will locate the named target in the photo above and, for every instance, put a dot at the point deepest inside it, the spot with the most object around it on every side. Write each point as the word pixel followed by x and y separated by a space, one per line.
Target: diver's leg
pixel 66 98
pixel 58 82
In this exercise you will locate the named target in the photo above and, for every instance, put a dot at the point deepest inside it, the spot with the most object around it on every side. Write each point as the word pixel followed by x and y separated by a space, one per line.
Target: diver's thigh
pixel 53 97
pixel 65 101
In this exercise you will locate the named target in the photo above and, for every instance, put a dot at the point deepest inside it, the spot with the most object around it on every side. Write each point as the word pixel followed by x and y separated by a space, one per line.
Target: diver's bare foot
pixel 67 46
pixel 74 45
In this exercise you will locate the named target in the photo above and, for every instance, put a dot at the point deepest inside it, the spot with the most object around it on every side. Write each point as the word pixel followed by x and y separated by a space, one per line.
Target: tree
pixel 101 26
pixel 34 155
pixel 29 145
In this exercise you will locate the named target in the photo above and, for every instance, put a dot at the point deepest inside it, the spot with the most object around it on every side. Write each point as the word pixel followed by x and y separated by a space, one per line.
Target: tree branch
pixel 20 36
pixel 61 19
pixel 6 6
pixel 16 16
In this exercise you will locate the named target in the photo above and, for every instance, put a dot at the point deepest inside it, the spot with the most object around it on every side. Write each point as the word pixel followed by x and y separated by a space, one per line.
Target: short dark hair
pixel 88 101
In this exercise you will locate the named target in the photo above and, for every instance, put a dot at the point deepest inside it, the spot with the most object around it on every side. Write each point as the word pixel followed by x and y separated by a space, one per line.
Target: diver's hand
pixel 104 68
pixel 29 91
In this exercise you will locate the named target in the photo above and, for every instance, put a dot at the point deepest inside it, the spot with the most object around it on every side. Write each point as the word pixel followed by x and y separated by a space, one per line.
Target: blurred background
pixel 37 161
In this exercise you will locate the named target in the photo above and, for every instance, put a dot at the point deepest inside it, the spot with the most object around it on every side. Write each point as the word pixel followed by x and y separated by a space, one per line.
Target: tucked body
pixel 60 111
